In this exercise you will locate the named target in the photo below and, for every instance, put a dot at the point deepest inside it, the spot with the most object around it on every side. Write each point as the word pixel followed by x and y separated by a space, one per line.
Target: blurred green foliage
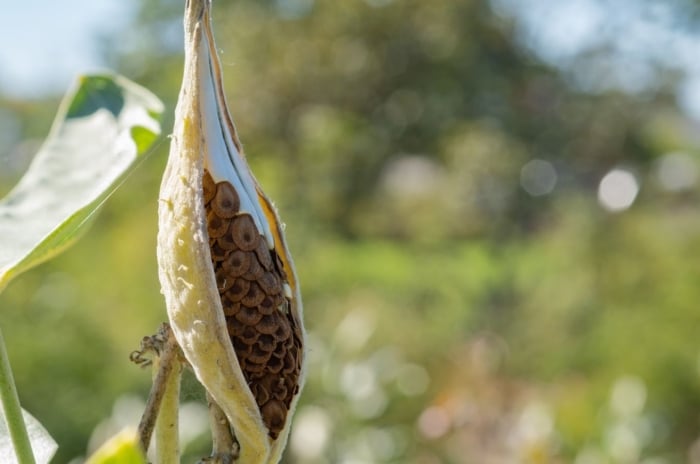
pixel 453 316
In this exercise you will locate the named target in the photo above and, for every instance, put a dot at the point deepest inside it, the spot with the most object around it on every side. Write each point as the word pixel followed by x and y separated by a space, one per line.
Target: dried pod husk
pixel 224 325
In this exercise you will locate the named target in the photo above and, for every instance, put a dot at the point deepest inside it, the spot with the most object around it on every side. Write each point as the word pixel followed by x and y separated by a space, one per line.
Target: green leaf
pixel 123 448
pixel 43 445
pixel 103 128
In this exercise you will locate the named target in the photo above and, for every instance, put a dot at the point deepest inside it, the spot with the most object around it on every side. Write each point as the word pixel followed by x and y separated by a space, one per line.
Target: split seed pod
pixel 229 282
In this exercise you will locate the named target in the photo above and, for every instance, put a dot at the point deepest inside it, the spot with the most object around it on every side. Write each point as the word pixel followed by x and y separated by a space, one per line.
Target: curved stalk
pixel 13 410
pixel 167 430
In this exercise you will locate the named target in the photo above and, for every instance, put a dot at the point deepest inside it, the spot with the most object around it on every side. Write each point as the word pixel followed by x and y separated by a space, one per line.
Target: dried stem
pixel 225 448
pixel 166 383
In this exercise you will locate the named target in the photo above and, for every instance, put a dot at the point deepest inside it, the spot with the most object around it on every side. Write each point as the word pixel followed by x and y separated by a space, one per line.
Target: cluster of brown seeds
pixel 250 278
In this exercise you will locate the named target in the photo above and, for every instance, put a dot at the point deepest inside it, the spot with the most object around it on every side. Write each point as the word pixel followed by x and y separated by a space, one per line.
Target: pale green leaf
pixel 103 128
pixel 43 446
pixel 123 448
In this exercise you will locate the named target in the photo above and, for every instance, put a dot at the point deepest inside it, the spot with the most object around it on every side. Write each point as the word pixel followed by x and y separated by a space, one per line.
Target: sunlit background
pixel 493 206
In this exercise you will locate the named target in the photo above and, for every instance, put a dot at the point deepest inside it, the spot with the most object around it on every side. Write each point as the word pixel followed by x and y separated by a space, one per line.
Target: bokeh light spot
pixel 677 171
pixel 618 190
pixel 412 379
pixel 358 381
pixel 538 177
pixel 310 433
pixel 628 396
pixel 434 422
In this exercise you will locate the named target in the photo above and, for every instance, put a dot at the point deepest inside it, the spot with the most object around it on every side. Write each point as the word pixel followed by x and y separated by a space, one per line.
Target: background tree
pixel 468 287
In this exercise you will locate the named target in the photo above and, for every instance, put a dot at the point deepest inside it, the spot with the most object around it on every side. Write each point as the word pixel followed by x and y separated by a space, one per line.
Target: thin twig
pixel 168 359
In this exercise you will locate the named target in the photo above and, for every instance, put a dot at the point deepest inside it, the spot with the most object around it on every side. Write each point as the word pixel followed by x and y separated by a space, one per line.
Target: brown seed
pixel 226 241
pixel 255 271
pixel 270 283
pixel 268 324
pixel 244 232
pixel 248 315
pixel 261 394
pixel 275 365
pixel 256 376
pixel 267 306
pixel 223 281
pixel 239 346
pixel 248 335
pixel 226 202
pixel 280 393
pixel 208 187
pixel 238 290
pixel 274 413
pixel 254 368
pixel 254 297
pixel 290 363
pixel 237 263
pixel 263 254
pixel 258 356
pixel 230 308
pixel 217 253
pixel 267 342
pixel 268 382
pixel 216 225
pixel 283 331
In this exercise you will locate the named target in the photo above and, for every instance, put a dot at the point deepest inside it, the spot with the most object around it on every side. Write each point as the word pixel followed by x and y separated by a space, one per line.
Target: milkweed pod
pixel 220 282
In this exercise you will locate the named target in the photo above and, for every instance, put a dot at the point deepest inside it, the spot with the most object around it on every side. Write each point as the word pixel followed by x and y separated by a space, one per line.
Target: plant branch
pixel 167 370
pixel 13 410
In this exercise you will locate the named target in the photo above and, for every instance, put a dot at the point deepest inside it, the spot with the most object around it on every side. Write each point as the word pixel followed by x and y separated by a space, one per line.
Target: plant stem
pixel 225 448
pixel 167 430
pixel 161 411
pixel 13 411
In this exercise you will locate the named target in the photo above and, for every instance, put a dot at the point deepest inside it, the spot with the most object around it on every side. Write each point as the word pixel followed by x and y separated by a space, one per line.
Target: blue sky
pixel 42 53
pixel 639 37
pixel 44 44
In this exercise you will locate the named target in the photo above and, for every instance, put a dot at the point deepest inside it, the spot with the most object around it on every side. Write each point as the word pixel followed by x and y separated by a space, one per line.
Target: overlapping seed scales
pixel 226 202
pixel 223 281
pixel 248 315
pixel 254 297
pixel 216 225
pixel 270 284
pixel 226 241
pixel 275 412
pixel 237 263
pixel 217 253
pixel 231 308
pixel 255 270
pixel 275 365
pixel 263 254
pixel 244 232
pixel 267 342
pixel 238 290
pixel 267 305
pixel 250 278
